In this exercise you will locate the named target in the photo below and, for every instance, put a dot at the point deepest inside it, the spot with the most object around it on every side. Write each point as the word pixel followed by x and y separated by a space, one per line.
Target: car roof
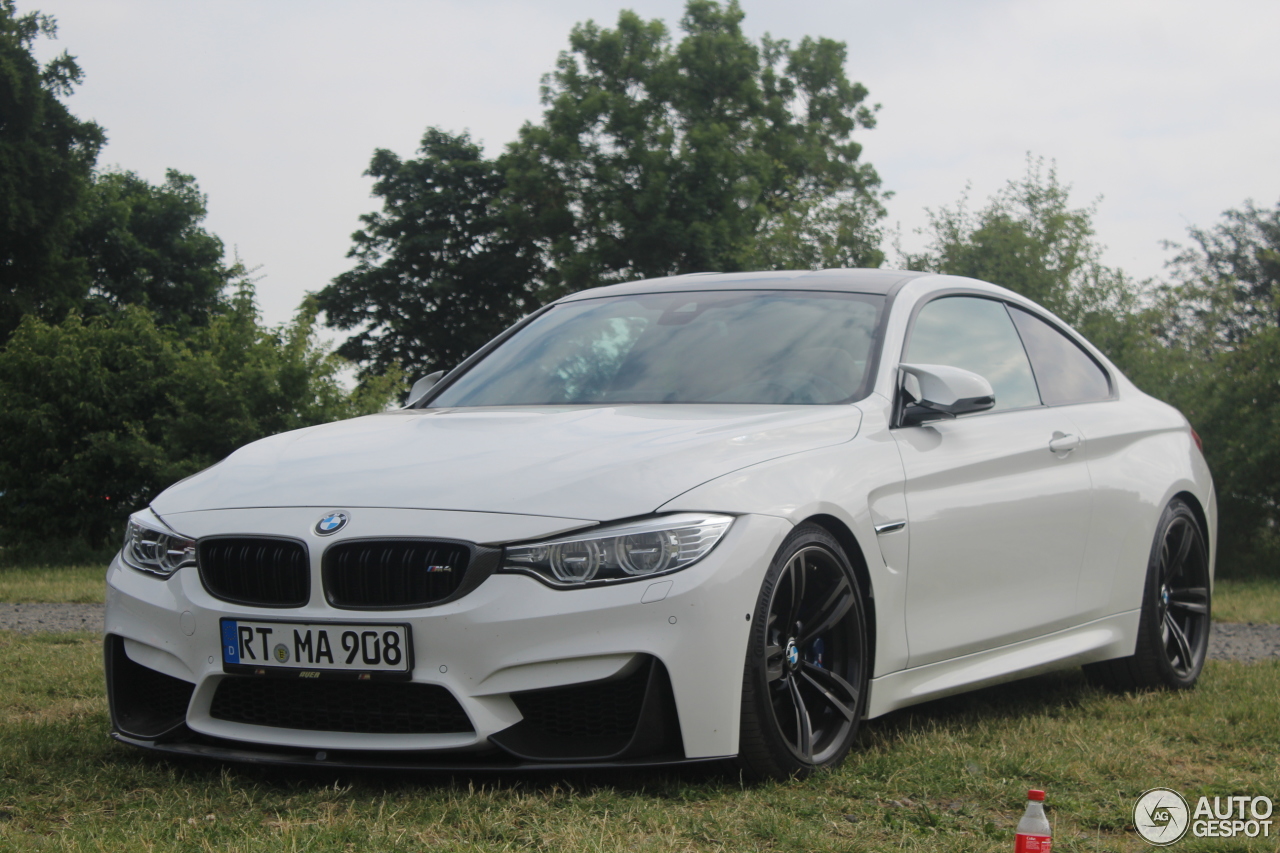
pixel 847 280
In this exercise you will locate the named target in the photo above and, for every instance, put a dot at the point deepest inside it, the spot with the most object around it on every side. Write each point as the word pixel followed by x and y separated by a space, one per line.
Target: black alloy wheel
pixel 1173 631
pixel 804 685
pixel 1183 597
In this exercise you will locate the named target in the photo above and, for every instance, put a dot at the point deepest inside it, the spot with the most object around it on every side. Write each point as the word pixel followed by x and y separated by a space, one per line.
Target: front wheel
pixel 805 678
pixel 1173 630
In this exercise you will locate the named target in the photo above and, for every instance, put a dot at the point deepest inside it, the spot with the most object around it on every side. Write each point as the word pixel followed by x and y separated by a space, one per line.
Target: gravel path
pixel 1244 641
pixel 58 618
pixel 1229 640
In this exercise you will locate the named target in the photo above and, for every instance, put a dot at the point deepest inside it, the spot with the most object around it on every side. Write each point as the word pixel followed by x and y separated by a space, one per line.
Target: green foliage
pixel 1240 423
pixel 1029 239
pixel 73 239
pixel 1231 275
pixel 46 160
pixel 101 414
pixel 1223 336
pixel 438 273
pixel 126 366
pixel 145 245
pixel 652 158
pixel 711 154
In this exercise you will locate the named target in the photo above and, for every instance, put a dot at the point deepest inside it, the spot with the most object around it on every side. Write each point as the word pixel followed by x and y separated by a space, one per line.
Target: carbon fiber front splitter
pixel 351 760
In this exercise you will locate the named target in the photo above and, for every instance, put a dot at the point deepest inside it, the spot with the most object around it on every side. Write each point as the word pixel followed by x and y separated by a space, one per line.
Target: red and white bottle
pixel 1034 835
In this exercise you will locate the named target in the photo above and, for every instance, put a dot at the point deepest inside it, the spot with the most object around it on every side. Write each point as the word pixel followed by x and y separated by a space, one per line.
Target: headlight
pixel 151 547
pixel 632 551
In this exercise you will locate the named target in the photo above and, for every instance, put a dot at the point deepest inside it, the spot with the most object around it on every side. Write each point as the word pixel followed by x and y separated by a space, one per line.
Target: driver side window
pixel 975 334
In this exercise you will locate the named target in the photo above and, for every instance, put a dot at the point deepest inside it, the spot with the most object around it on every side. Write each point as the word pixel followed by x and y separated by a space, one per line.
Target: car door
pixel 998 502
pixel 1069 377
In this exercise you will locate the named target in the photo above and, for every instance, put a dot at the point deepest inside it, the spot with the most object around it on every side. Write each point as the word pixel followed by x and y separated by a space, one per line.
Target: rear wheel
pixel 1173 632
pixel 804 682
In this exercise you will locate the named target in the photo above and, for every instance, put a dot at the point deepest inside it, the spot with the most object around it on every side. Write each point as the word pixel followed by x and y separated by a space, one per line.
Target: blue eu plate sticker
pixel 230 642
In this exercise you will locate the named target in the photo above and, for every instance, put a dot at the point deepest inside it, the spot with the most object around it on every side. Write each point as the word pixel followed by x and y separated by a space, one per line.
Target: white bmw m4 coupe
pixel 708 517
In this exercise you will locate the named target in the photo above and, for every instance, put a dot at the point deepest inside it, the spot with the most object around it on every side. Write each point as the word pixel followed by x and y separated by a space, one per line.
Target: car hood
pixel 595 463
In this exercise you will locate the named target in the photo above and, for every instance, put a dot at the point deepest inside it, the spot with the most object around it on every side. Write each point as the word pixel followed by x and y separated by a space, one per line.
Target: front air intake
pixel 144 703
pixel 632 715
pixel 255 570
pixel 366 707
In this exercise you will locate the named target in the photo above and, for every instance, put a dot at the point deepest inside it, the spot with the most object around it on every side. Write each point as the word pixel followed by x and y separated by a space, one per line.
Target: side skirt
pixel 1102 639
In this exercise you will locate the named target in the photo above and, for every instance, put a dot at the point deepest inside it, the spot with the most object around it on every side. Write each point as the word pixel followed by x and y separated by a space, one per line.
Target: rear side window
pixel 1065 372
pixel 976 335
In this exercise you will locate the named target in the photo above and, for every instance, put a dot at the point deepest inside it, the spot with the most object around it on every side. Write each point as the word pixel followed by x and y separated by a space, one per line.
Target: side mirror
pixel 945 392
pixel 421 387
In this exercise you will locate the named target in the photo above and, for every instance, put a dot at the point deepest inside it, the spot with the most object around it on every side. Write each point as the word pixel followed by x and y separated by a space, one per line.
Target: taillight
pixel 1196 436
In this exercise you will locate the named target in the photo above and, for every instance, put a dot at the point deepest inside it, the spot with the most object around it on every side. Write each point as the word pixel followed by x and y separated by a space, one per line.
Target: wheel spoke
pixel 834 680
pixel 845 709
pixel 798 579
pixel 773 663
pixel 831 612
pixel 1179 640
pixel 804 728
pixel 1179 559
pixel 1193 599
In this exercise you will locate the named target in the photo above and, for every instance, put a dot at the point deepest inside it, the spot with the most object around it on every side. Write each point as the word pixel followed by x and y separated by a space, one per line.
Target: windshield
pixel 772 347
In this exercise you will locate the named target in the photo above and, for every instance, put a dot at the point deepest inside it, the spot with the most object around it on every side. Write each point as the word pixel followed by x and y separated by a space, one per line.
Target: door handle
pixel 1063 442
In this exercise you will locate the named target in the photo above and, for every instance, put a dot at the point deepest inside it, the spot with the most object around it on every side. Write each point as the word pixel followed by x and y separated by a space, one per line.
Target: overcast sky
pixel 1159 107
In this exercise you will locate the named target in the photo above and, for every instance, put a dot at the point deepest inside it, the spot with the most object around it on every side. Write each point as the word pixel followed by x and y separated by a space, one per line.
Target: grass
pixel 1255 600
pixel 949 775
pixel 56 585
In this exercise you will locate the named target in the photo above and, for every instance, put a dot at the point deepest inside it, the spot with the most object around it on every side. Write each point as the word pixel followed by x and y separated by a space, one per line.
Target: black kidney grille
pixel 393 572
pixel 368 707
pixel 598 709
pixel 256 570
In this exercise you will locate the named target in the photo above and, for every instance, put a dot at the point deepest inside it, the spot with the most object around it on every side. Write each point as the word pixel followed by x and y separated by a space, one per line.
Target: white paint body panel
pixel 997 558
pixel 602 462
pixel 998 526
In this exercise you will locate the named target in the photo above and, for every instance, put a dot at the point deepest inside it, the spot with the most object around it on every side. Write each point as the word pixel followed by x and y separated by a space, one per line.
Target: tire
pixel 1173 631
pixel 804 682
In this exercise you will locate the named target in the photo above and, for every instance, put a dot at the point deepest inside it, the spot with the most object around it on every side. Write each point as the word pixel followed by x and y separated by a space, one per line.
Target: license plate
pixel 315 647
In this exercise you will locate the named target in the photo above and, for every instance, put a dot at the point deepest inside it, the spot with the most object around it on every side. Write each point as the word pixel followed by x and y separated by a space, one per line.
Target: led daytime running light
pixel 158 552
pixel 626 552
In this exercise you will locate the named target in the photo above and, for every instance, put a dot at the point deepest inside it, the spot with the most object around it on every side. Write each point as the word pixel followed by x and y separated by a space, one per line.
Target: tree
pixel 100 414
pixel 652 158
pixel 1231 275
pixel 1030 239
pixel 438 271
pixel 1238 414
pixel 1224 329
pixel 711 154
pixel 46 160
pixel 146 245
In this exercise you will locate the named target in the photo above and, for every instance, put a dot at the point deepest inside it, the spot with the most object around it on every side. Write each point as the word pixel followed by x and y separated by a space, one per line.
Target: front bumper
pixel 513 653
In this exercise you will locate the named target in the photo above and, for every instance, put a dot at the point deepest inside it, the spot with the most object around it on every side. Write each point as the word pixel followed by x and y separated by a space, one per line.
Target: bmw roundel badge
pixel 331 523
